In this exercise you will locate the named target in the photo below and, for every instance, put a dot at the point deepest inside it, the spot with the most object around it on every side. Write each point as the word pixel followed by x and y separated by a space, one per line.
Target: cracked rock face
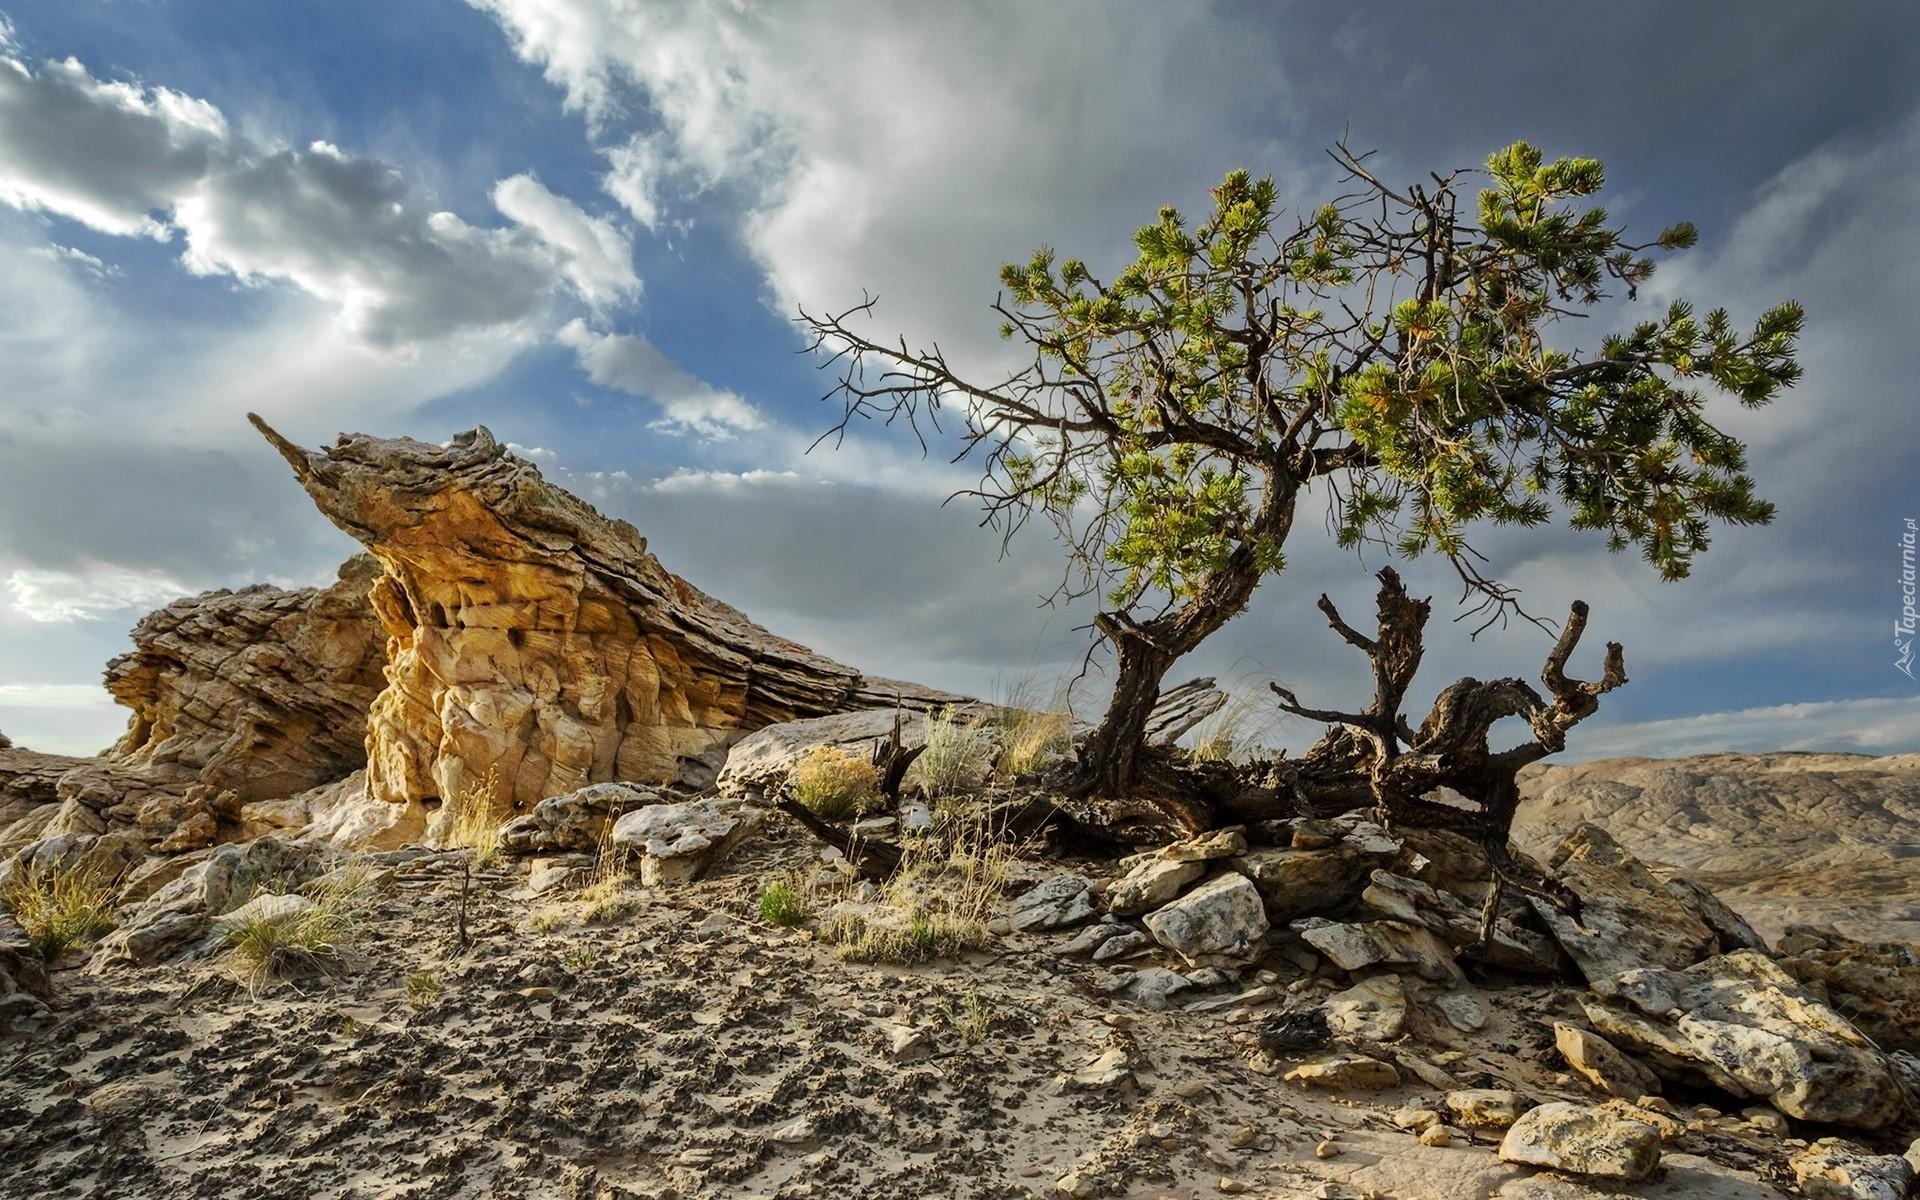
pixel 1744 1025
pixel 257 692
pixel 530 636
pixel 236 697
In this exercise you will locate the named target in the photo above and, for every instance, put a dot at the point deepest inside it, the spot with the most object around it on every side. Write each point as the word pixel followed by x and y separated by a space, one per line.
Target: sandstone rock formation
pixel 1740 1023
pixel 259 692
pixel 533 638
pixel 236 697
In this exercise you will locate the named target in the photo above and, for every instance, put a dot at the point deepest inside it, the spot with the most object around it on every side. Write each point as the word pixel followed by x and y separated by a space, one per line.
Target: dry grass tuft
pixel 1034 731
pixel 474 820
pixel 937 904
pixel 422 989
pixel 607 900
pixel 835 784
pixel 61 909
pixel 308 942
pixel 957 758
pixel 970 1016
pixel 1228 736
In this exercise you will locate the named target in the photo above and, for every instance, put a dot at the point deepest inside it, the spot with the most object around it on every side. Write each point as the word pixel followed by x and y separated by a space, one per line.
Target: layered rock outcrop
pixel 532 640
pixel 236 697
pixel 260 692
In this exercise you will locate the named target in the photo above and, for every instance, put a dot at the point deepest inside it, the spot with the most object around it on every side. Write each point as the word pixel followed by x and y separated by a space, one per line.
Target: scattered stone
pixel 1152 883
pixel 575 820
pixel 1742 1024
pixel 1059 903
pixel 1580 1140
pixel 679 843
pixel 798 1132
pixel 1295 883
pixel 1602 1064
pixel 1154 987
pixel 1091 939
pixel 1436 1135
pixel 1669 1127
pixel 1426 1072
pixel 1375 1009
pixel 1486 1108
pixel 1391 944
pixel 1834 1169
pixel 1326 1148
pixel 1416 1119
pixel 1342 1072
pixel 548 874
pixel 1126 945
pixel 1767 1119
pixel 1220 843
pixel 1077 1185
pixel 906 1044
pixel 1220 919
pixel 1110 1070
pixel 1461 1011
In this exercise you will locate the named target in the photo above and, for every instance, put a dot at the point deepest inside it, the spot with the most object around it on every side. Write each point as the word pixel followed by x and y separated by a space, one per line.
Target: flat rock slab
pixel 1740 1023
pixel 1585 1141
pixel 1628 918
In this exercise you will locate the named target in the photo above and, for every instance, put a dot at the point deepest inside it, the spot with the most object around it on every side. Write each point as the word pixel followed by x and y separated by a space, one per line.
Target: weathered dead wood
pixel 1374 758
pixel 891 758
pixel 872 858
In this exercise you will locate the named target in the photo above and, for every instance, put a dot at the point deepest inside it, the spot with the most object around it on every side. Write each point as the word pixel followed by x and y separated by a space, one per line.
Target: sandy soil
pixel 690 1050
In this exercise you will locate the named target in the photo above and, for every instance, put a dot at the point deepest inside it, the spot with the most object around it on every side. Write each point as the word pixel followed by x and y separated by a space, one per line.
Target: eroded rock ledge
pixel 533 637
pixel 236 697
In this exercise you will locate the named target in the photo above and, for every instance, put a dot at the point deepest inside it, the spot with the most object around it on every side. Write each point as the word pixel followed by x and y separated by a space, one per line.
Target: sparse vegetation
pixel 923 939
pixel 1033 732
pixel 970 1017
pixel 306 940
pixel 783 902
pixel 835 784
pixel 422 989
pixel 609 898
pixel 937 904
pixel 60 909
pixel 958 756
pixel 580 958
pixel 474 819
pixel 1228 735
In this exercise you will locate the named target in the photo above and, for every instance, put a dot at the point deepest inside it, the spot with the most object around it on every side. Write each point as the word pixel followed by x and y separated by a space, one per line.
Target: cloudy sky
pixel 587 223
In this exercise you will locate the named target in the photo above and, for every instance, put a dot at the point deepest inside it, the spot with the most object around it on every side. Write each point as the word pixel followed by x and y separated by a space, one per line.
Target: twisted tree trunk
pixel 1112 756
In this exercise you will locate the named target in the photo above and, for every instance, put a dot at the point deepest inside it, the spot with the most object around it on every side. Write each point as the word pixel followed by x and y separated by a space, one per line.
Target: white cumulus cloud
pixel 637 367
pixel 87 593
pixel 131 160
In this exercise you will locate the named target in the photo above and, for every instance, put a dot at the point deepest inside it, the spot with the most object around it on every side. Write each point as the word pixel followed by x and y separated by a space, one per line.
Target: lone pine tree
pixel 1389 352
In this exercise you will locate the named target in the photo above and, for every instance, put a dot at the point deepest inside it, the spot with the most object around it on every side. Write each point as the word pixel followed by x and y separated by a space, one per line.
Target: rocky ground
pixel 681 1046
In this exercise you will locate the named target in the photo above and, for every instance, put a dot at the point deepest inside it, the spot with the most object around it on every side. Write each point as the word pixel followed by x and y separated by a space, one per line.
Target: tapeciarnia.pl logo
pixel 1903 628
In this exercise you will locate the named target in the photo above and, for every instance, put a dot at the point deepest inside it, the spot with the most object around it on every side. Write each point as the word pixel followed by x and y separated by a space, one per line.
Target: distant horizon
pixel 589 231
